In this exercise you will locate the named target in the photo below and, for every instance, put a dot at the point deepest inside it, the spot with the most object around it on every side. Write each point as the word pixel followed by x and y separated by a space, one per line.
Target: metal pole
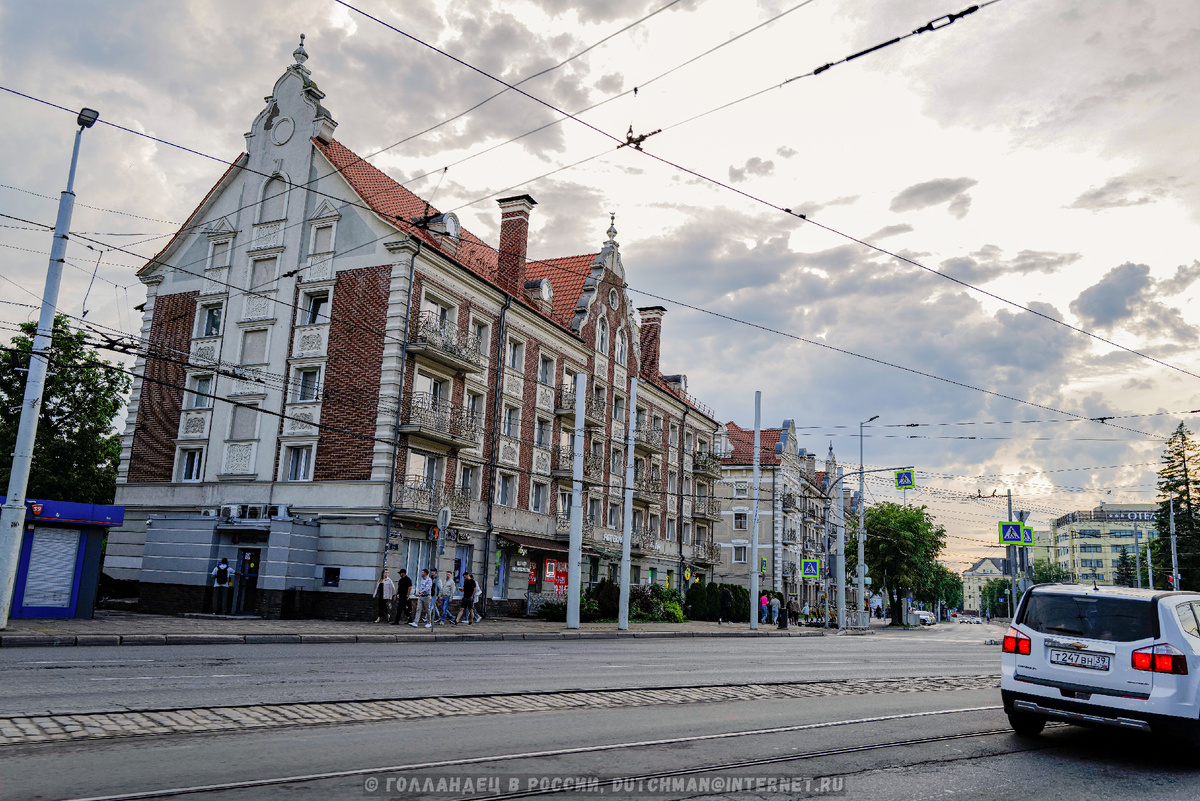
pixel 825 572
pixel 627 522
pixel 1012 566
pixel 1174 549
pixel 12 516
pixel 575 545
pixel 754 524
pixel 839 512
pixel 863 620
pixel 1137 549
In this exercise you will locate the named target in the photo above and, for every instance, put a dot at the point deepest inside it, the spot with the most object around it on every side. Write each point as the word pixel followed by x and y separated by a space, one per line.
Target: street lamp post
pixel 862 527
pixel 12 516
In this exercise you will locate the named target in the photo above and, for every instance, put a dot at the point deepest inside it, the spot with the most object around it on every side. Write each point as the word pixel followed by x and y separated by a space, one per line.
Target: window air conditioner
pixel 275 511
pixel 230 512
pixel 208 512
pixel 255 512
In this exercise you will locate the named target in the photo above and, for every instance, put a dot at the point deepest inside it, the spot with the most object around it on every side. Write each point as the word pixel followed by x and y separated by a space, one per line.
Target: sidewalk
pixel 130 628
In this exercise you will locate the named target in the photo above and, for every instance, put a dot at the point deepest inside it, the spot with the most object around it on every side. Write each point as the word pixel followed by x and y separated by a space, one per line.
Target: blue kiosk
pixel 59 568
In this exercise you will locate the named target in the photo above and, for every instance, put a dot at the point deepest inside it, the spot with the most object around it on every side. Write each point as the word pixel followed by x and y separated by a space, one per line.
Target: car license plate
pixel 1077 659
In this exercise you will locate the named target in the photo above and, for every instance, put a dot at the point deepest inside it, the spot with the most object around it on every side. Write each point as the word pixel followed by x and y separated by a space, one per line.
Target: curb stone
pixel 326 638
pixel 143 639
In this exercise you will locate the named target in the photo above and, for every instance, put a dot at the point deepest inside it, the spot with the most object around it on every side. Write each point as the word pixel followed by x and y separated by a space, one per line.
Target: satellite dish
pixel 443 518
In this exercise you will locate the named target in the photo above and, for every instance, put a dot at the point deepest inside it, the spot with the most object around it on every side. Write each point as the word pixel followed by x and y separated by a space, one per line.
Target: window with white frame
pixel 546 370
pixel 474 406
pixel 701 534
pixel 516 355
pixel 687 533
pixel 541 433
pixel 602 334
pixel 191 464
pixel 274 200
pixel 618 461
pixel 672 527
pixel 314 308
pixel 687 441
pixel 614 516
pixel 308 383
pixel 622 347
pixel 593 507
pixel 244 422
pixel 539 498
pixel 322 238
pixel 739 554
pixel 506 489
pixel 618 408
pixel 740 521
pixel 262 274
pixel 435 387
pixel 219 254
pixel 673 435
pixel 298 461
pixel 654 526
pixel 672 481
pixel 480 331
pixel 210 320
pixel 564 503
pixel 443 313
pixel 468 482
pixel 200 397
pixel 254 346
pixel 741 489
pixel 512 421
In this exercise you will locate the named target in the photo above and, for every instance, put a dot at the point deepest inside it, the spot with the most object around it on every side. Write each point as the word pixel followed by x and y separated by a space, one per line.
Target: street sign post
pixel 905 480
pixel 1010 533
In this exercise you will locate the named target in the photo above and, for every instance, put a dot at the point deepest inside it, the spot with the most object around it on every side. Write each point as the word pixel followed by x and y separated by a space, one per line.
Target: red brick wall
pixel 358 313
pixel 153 456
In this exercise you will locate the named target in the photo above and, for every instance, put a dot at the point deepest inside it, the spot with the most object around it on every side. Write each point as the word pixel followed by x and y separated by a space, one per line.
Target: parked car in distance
pixel 926 618
pixel 1104 656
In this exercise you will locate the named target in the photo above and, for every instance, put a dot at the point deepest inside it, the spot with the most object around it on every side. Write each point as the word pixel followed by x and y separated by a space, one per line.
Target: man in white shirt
pixel 222 576
pixel 424 594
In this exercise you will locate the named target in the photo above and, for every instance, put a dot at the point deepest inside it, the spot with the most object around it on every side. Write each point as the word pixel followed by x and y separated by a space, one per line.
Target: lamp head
pixel 87 118
pixel 876 417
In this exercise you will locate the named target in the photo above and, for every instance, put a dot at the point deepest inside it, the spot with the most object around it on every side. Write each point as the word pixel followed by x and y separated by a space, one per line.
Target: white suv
pixel 1103 656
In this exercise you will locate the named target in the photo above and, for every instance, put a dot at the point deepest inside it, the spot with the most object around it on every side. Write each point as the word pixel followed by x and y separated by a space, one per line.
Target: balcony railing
pixel 706 506
pixel 432 415
pixel 790 537
pixel 444 341
pixel 789 502
pixel 564 465
pixel 593 405
pixel 645 538
pixel 564 525
pixel 647 484
pixel 707 462
pixel 707 552
pixel 649 438
pixel 426 497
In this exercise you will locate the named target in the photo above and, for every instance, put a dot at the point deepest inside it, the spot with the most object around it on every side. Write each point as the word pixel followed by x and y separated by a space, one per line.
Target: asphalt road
pixel 45 680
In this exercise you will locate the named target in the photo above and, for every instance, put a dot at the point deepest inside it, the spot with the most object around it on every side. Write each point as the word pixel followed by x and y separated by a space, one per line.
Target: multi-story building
pixel 330 362
pixel 978 575
pixel 792 510
pixel 1089 544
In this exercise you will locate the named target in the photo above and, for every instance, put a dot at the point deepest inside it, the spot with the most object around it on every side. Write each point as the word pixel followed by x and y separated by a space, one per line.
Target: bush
pixel 697 603
pixel 553 610
pixel 608 599
pixel 672 613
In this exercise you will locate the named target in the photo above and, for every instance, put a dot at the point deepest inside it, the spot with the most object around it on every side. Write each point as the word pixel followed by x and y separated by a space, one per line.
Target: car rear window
pixel 1091 617
pixel 1189 617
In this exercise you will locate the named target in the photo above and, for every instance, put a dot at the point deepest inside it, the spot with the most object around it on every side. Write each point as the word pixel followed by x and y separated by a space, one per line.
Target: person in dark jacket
pixel 468 598
pixel 726 607
pixel 403 591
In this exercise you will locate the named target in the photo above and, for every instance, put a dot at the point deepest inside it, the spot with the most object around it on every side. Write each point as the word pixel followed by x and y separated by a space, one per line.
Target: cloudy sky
pixel 1040 151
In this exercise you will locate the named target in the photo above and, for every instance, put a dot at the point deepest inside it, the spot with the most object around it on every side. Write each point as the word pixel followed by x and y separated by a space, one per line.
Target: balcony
pixel 593 406
pixel 563 526
pixel 647 488
pixel 438 420
pixel 564 466
pixel 444 344
pixel 648 439
pixel 789 502
pixel 706 507
pixel 708 553
pixel 422 498
pixel 707 463
pixel 645 540
pixel 791 537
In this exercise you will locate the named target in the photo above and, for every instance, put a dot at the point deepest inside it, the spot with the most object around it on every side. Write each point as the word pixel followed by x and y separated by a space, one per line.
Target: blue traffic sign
pixel 1011 534
pixel 905 480
pixel 1027 536
pixel 810 568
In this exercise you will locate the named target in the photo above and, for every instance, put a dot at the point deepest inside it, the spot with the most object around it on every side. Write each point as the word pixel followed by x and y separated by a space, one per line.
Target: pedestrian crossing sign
pixel 1011 534
pixel 810 568
pixel 904 480
pixel 1027 538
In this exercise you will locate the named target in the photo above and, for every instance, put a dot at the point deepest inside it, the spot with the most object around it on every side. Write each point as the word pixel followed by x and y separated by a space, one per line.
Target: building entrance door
pixel 246 593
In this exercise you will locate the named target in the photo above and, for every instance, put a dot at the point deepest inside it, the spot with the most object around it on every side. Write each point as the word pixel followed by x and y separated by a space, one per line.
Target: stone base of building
pixel 178 599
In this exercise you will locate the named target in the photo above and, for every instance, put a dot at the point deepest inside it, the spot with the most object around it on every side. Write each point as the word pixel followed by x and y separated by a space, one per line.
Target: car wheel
pixel 1026 725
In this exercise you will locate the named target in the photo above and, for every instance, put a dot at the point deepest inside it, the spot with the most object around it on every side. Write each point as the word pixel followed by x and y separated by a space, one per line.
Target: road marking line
pixel 84 661
pixel 154 678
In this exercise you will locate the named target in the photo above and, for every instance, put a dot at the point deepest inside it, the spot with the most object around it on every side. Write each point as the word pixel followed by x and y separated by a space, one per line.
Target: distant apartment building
pixel 976 577
pixel 1088 544
pixel 330 361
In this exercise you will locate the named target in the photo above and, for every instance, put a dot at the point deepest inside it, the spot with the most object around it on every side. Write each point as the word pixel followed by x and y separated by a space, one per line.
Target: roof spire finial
pixel 612 228
pixel 300 54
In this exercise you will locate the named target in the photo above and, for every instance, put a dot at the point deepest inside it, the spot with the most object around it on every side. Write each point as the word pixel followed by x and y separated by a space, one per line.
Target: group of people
pixel 427 601
pixel 769 608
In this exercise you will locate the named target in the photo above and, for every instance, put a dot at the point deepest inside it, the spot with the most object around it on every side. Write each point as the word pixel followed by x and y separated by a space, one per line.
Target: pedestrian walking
pixel 385 591
pixel 477 603
pixel 468 599
pixel 763 605
pixel 403 593
pixel 793 609
pixel 424 595
pixel 775 609
pixel 446 590
pixel 807 612
pixel 726 607
pixel 222 578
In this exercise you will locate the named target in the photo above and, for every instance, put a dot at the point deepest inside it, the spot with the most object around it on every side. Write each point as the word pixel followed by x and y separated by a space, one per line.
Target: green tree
pixel 1124 576
pixel 994 597
pixel 1047 572
pixel 77 449
pixel 902 547
pixel 1179 476
pixel 940 584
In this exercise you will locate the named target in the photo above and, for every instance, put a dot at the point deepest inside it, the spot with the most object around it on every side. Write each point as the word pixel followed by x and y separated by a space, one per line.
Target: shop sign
pixel 520 566
pixel 551 569
pixel 560 584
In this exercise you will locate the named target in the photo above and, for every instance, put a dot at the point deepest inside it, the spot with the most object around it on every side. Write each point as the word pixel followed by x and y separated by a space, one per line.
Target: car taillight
pixel 1016 643
pixel 1164 658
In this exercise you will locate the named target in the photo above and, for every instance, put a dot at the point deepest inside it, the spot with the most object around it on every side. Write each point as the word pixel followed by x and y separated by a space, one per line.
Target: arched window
pixel 602 335
pixel 622 347
pixel 273 200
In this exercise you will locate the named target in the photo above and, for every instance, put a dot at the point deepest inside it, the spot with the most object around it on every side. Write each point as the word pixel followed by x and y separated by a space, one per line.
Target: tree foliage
pixel 1179 476
pixel 77 449
pixel 994 598
pixel 902 547
pixel 1124 576
pixel 1047 572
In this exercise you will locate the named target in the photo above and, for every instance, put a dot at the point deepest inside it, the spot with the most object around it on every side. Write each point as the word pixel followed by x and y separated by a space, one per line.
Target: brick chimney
pixel 514 239
pixel 651 334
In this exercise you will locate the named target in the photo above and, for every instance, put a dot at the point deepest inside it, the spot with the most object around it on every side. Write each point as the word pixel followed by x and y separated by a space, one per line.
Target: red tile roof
pixel 742 442
pixel 566 275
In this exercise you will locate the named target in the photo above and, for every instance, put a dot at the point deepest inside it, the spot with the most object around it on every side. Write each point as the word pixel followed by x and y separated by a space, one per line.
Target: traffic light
pixel 1170 582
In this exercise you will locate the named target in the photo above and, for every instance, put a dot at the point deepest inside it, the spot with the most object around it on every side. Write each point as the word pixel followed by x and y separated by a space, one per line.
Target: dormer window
pixel 220 254
pixel 602 335
pixel 274 201
pixel 322 239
